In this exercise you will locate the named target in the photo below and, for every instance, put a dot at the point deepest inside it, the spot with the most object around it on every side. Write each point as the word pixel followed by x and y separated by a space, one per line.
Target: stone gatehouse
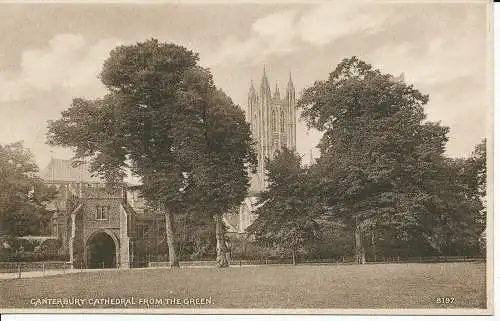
pixel 95 224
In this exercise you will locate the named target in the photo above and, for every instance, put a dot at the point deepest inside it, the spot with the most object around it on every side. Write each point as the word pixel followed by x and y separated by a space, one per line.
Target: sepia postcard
pixel 249 157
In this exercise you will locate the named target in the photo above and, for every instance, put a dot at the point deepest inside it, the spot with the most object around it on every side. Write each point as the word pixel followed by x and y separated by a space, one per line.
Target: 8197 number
pixel 445 300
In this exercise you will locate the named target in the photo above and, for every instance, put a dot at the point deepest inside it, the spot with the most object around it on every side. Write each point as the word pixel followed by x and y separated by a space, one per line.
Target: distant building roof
pixel 63 170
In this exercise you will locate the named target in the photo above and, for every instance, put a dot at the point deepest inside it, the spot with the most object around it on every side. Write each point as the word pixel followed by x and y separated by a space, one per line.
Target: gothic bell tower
pixel 273 123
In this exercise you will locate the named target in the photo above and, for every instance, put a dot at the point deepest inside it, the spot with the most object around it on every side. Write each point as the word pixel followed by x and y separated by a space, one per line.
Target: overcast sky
pixel 51 53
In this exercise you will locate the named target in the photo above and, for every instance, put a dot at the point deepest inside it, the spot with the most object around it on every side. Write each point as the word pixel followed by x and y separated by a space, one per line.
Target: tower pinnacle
pixel 264 82
pixel 290 83
pixel 251 86
pixel 277 91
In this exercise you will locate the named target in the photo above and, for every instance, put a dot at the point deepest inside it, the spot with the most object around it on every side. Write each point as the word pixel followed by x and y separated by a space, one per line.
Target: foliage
pixel 219 182
pixel 336 242
pixel 478 162
pixel 245 248
pixel 286 212
pixel 151 121
pixel 196 237
pixel 22 250
pixel 164 119
pixel 381 163
pixel 156 94
pixel 452 215
pixel 23 195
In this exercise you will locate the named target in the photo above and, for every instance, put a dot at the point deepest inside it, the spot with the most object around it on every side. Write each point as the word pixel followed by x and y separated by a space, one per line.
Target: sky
pixel 52 53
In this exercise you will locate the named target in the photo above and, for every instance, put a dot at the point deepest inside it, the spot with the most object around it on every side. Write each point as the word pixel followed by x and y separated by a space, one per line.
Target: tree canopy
pixel 287 209
pixel 165 120
pixel 382 163
pixel 23 196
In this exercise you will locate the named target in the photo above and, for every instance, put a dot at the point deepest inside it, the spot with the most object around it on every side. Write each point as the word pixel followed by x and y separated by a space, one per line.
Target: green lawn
pixel 322 286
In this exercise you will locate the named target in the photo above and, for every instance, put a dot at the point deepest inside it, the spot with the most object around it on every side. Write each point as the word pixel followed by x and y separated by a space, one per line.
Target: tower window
pixel 282 122
pixel 273 121
pixel 102 213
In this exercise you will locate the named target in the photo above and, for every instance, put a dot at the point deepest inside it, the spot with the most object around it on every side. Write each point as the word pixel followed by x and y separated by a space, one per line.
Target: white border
pixel 495 225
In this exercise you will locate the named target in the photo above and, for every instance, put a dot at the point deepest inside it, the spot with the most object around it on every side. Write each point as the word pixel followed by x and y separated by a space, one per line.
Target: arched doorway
pixel 101 251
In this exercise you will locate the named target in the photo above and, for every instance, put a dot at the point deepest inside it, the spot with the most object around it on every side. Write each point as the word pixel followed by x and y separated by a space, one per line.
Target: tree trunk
pixel 374 249
pixel 221 260
pixel 169 227
pixel 360 249
pixel 293 257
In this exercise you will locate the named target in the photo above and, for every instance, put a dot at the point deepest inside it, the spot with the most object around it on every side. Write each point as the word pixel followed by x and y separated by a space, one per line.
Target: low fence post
pixel 43 269
pixel 19 271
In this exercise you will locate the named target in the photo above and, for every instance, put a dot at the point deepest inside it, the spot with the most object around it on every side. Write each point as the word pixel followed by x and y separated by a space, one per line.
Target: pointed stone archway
pixel 102 250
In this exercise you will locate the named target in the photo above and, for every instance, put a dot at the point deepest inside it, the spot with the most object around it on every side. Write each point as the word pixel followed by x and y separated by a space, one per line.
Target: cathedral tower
pixel 273 124
pixel 272 121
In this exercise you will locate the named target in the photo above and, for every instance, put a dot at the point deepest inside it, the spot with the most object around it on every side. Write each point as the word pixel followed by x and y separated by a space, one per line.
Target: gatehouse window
pixel 142 231
pixel 102 212
pixel 55 231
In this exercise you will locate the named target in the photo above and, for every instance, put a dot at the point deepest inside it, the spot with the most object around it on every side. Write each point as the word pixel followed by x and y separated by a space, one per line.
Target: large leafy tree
pixel 163 118
pixel 287 210
pixel 466 186
pixel 23 196
pixel 377 151
pixel 478 181
pixel 451 214
pixel 220 179
pixel 476 169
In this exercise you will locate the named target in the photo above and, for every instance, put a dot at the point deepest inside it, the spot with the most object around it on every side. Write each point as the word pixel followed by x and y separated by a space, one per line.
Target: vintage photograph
pixel 250 157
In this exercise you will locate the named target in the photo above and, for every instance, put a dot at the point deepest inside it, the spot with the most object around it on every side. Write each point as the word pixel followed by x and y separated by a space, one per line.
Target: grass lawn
pixel 305 286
